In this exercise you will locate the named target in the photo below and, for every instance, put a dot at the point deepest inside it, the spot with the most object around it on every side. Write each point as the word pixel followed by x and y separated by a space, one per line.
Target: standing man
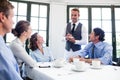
pixel 76 35
pixel 9 69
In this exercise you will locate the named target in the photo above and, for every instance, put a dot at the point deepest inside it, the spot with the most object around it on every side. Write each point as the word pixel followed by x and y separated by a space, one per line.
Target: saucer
pixel 96 67
pixel 73 68
pixel 58 66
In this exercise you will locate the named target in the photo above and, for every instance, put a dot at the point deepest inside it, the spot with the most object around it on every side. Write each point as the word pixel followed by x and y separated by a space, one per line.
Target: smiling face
pixel 40 39
pixel 74 16
pixel 93 38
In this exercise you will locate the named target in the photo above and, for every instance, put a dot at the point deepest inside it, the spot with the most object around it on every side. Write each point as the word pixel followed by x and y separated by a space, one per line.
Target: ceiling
pixel 81 1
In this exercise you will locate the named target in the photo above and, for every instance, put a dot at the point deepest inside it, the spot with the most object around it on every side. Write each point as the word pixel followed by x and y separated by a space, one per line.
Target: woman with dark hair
pixel 22 31
pixel 38 52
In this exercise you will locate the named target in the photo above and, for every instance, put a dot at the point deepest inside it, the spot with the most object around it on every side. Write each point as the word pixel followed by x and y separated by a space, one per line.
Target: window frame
pixel 28 16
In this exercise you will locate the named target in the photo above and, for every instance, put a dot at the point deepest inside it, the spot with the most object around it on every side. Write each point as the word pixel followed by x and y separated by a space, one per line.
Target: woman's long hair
pixel 33 45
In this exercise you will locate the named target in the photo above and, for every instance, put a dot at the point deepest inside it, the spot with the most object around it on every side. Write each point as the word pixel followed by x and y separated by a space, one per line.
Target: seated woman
pixel 39 53
pixel 22 31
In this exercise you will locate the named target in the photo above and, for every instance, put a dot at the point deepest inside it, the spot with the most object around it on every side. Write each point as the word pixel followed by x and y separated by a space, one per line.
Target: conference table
pixel 67 72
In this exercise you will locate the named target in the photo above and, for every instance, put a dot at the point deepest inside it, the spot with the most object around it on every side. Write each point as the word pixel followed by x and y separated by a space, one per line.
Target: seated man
pixel 9 69
pixel 96 49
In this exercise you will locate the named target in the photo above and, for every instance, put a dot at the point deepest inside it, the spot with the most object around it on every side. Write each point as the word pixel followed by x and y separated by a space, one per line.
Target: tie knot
pixel 73 25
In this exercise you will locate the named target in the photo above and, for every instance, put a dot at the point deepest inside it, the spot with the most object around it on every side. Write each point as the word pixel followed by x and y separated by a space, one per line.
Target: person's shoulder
pixel 31 52
pixel 46 47
pixel 79 23
pixel 106 43
pixel 1 40
pixel 15 44
pixel 69 23
pixel 89 44
pixel 14 41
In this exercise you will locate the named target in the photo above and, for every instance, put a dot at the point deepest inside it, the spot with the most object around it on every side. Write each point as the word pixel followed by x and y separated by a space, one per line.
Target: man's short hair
pixel 99 32
pixel 75 9
pixel 5 6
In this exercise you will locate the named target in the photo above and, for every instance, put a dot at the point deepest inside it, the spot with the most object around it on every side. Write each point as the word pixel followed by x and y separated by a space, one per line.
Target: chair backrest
pixel 118 62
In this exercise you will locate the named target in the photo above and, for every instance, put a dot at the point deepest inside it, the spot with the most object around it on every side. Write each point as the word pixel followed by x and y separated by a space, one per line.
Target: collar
pixel 1 38
pixel 75 23
pixel 98 44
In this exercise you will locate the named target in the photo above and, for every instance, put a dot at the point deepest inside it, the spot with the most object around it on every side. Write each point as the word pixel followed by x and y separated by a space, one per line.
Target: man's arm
pixel 107 58
pixel 84 35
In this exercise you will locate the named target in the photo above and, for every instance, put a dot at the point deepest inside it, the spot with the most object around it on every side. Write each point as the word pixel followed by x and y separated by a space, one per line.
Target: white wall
pixel 57 28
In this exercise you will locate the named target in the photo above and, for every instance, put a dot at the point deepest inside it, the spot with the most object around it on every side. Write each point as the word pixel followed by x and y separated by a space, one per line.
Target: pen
pixel 44 66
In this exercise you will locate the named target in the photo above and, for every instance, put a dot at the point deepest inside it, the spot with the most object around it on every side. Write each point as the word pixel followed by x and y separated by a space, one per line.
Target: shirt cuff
pixel 76 41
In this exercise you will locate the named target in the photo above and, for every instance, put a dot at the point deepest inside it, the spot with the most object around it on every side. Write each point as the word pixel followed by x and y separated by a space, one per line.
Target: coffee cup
pixel 80 65
pixel 59 62
pixel 75 60
pixel 96 64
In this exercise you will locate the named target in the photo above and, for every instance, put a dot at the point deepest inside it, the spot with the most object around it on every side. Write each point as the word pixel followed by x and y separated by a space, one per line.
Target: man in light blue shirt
pixel 9 69
pixel 96 49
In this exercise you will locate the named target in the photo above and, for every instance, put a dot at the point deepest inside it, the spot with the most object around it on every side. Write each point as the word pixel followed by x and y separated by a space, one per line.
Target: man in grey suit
pixel 76 35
